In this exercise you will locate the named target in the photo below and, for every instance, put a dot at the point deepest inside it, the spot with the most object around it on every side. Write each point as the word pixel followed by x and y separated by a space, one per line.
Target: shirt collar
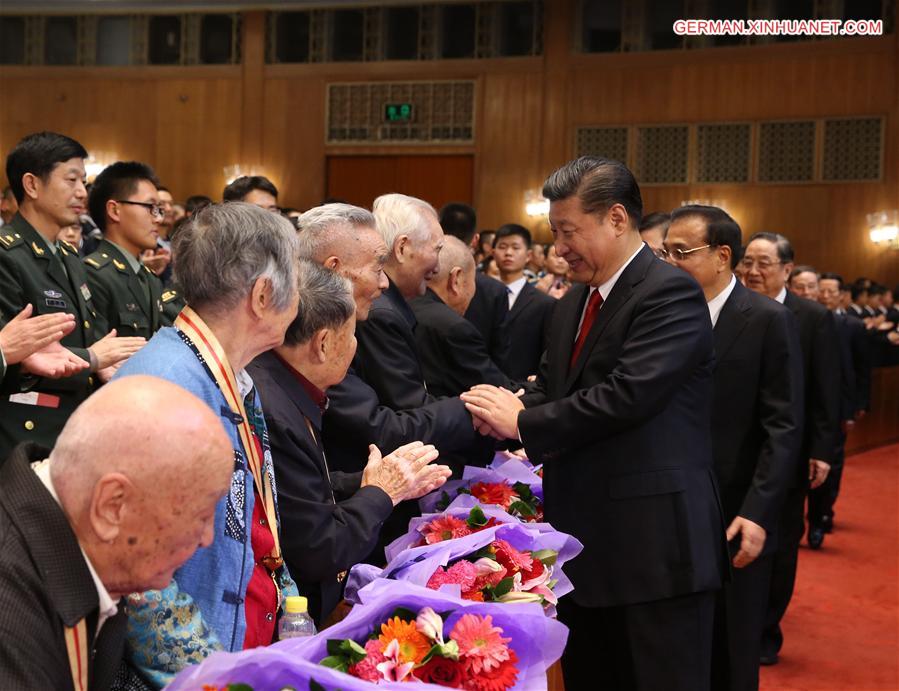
pixel 716 304
pixel 606 288
pixel 108 608
pixel 319 397
pixel 133 261
pixel 244 383
pixel 781 296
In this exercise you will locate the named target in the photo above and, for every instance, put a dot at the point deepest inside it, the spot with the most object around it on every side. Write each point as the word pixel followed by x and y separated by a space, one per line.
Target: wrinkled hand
pixel 494 410
pixel 752 540
pixel 405 473
pixel 157 261
pixel 817 472
pixel 112 349
pixel 24 334
pixel 107 373
pixel 54 361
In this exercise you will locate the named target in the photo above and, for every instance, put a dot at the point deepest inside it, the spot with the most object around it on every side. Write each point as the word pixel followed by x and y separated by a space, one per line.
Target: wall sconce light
pixel 233 172
pixel 535 204
pixel 95 163
pixel 704 202
pixel 884 228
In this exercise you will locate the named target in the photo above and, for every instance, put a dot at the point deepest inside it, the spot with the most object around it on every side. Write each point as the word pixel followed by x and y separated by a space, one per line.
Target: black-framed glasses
pixel 678 254
pixel 157 211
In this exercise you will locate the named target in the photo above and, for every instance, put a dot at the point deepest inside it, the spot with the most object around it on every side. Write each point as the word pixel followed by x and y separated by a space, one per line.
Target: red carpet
pixel 842 629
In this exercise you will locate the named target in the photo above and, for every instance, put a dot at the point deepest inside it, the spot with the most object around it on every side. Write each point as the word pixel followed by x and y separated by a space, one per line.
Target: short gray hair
pixel 224 248
pixel 322 226
pixel 400 214
pixel 326 302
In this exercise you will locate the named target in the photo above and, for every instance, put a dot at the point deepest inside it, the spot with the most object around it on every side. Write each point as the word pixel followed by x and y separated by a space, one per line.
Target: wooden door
pixel 436 179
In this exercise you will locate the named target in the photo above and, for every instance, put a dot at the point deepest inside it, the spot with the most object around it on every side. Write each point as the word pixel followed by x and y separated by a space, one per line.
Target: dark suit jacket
pixel 452 353
pixel 489 312
pixel 850 390
pixel 820 365
pixel 757 407
pixel 528 330
pixel 45 586
pixel 356 418
pixel 387 355
pixel 328 523
pixel 625 439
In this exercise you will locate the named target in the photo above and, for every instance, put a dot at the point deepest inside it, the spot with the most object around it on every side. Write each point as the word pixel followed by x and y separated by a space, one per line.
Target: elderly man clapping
pixel 237 267
pixel 331 519
pixel 116 508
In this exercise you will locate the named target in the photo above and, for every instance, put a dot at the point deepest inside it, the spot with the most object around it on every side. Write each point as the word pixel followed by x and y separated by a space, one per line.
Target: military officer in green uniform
pixel 46 174
pixel 128 296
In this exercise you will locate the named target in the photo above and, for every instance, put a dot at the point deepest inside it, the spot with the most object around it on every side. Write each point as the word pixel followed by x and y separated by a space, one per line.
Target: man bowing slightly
pixel 621 421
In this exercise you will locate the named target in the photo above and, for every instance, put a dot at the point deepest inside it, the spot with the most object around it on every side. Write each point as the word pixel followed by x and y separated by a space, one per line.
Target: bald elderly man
pixel 115 509
pixel 451 349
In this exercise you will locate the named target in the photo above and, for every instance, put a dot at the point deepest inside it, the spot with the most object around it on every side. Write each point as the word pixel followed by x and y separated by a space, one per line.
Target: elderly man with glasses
pixel 238 265
pixel 129 298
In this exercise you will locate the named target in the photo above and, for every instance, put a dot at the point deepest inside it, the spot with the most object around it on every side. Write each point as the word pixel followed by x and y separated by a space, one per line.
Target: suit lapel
pixel 109 647
pixel 620 295
pixel 731 321
pixel 525 297
pixel 563 344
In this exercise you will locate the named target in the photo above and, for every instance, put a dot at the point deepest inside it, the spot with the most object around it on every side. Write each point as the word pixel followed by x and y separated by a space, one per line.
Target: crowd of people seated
pixel 691 386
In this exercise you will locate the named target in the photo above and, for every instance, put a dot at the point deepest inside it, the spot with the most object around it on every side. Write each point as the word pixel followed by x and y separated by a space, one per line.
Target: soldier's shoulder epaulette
pixel 97 260
pixel 169 295
pixel 69 246
pixel 9 238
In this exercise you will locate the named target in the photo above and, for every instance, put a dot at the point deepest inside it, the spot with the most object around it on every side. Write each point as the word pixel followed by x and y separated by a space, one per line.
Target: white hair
pixel 400 214
pixel 320 227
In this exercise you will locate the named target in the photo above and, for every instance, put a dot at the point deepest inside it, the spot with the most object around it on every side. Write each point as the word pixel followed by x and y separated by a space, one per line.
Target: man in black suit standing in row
pixel 489 308
pixel 767 263
pixel 529 309
pixel 756 425
pixel 621 422
pixel 453 354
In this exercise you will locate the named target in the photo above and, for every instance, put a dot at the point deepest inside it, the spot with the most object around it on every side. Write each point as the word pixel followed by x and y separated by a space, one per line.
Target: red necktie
pixel 593 305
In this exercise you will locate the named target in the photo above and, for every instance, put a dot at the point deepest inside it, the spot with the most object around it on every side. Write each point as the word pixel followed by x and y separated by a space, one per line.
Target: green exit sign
pixel 398 112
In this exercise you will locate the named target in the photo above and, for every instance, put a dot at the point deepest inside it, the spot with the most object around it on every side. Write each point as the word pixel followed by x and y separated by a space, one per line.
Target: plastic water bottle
pixel 295 622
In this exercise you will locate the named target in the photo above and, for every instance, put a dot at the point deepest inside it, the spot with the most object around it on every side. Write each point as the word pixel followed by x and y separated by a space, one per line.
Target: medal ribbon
pixel 76 647
pixel 190 323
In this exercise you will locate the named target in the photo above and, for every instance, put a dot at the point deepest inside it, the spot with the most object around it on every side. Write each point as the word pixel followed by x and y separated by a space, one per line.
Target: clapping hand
pixel 157 261
pixel 53 361
pixel 112 349
pixel 405 473
pixel 25 335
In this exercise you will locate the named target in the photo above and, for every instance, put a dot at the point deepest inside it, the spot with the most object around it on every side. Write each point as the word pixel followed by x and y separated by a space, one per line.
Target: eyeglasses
pixel 678 254
pixel 157 211
pixel 764 264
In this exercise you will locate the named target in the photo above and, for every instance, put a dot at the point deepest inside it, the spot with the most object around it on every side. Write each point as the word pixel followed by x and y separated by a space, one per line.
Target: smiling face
pixel 763 270
pixel 421 258
pixel 586 241
pixel 363 265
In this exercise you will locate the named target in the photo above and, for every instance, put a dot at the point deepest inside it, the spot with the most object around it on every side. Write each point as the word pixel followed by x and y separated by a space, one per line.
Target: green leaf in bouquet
pixel 503 587
pixel 450 649
pixel 346 649
pixel 552 584
pixel 239 687
pixel 522 509
pixel 463 490
pixel 314 686
pixel 337 662
pixel 485 551
pixel 547 556
pixel 404 613
pixel 524 492
pixel 476 518
pixel 443 502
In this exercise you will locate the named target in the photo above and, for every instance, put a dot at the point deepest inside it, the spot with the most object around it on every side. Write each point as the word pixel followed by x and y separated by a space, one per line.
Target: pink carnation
pixel 463 573
pixel 368 668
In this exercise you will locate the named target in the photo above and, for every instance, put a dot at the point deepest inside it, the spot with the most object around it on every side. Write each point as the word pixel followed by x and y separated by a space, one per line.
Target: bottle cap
pixel 296 604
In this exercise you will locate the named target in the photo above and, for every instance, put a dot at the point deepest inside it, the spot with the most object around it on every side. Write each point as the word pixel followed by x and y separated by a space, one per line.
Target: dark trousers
pixel 739 621
pixel 666 644
pixel 783 571
pixel 821 500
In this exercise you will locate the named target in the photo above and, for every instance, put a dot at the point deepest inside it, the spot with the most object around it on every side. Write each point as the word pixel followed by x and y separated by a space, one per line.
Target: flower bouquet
pixel 483 558
pixel 400 634
pixel 512 487
pixel 508 463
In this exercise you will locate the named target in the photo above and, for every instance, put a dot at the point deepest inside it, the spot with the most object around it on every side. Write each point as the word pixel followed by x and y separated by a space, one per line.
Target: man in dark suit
pixel 126 294
pixel 529 309
pixel 855 392
pixel 343 238
pixel 330 520
pixel 95 521
pixel 621 423
pixel 46 172
pixel 767 263
pixel 489 308
pixel 756 425
pixel 453 354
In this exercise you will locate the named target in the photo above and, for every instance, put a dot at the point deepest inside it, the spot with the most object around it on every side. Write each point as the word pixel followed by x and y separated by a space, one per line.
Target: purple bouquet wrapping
pixel 488 554
pixel 384 639
pixel 508 463
pixel 510 485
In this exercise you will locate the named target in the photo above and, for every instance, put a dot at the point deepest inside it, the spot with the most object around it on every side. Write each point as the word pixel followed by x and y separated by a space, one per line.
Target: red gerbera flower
pixel 497 679
pixel 511 558
pixel 444 528
pixel 494 493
